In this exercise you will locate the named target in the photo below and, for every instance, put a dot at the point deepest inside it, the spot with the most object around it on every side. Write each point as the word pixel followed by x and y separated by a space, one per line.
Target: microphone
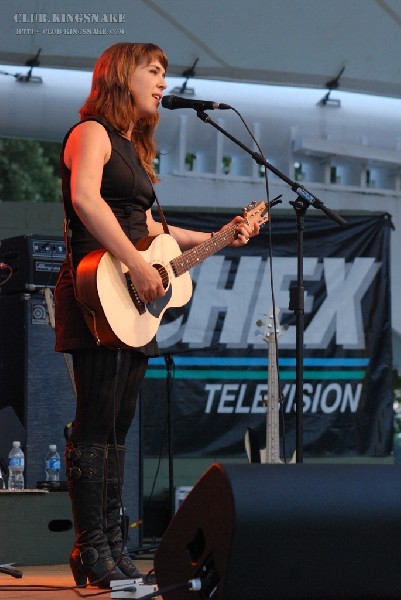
pixel 173 102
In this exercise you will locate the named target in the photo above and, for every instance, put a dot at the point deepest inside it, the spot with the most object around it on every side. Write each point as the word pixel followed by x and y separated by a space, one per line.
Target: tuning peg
pixel 250 207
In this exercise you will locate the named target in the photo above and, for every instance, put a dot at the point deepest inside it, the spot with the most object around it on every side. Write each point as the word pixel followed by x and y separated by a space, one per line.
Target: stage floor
pixel 52 582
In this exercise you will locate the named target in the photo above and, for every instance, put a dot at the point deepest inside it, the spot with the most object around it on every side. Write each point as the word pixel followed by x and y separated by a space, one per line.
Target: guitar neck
pixel 190 258
pixel 272 427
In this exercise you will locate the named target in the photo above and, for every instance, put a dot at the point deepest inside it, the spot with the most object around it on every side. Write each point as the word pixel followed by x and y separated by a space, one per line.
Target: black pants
pixel 107 383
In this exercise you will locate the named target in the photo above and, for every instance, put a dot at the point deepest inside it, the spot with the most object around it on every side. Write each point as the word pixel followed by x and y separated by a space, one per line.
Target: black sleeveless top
pixel 127 189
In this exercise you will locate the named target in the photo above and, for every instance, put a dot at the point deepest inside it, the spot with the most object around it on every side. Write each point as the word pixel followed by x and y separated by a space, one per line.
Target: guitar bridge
pixel 139 305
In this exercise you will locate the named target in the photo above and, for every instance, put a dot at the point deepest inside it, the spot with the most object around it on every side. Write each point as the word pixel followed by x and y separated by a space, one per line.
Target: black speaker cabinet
pixel 263 532
pixel 36 390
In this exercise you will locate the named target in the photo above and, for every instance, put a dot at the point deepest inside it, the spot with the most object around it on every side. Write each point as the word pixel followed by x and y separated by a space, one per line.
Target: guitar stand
pixel 303 201
pixel 170 366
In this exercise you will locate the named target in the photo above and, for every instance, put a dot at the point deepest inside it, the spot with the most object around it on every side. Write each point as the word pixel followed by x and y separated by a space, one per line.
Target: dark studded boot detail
pixel 115 527
pixel 91 557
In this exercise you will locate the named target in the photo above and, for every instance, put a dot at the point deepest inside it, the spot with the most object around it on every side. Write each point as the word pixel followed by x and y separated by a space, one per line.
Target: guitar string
pixel 219 240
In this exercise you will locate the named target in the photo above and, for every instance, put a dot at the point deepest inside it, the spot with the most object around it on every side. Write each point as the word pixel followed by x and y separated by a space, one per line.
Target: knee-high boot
pixel 115 527
pixel 91 556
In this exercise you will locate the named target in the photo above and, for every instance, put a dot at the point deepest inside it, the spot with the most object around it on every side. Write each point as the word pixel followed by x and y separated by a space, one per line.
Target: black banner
pixel 213 368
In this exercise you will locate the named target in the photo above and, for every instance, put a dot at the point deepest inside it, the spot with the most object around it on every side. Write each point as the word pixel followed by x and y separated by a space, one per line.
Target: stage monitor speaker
pixel 286 532
pixel 35 383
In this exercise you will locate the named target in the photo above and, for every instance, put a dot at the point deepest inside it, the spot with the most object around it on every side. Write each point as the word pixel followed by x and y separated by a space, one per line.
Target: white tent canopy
pixel 289 42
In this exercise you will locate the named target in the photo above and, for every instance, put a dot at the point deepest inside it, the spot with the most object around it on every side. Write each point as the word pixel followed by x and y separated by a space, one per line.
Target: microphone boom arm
pixel 300 205
pixel 307 197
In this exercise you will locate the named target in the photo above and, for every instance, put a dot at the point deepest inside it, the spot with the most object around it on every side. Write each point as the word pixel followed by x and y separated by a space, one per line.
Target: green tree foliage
pixel 29 171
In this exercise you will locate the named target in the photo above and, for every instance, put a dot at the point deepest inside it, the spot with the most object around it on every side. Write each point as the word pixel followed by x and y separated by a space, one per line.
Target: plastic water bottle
pixel 53 464
pixel 16 465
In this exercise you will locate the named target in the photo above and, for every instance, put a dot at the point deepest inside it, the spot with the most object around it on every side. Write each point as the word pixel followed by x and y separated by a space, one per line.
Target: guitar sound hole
pixel 139 305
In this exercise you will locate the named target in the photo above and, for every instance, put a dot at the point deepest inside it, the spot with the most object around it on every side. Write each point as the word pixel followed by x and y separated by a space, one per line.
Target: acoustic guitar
pixel 110 303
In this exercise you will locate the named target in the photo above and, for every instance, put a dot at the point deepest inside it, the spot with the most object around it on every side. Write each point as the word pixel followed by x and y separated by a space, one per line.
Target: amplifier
pixel 35 261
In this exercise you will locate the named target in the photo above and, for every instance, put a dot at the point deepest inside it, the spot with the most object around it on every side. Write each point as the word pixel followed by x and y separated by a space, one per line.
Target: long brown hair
pixel 110 98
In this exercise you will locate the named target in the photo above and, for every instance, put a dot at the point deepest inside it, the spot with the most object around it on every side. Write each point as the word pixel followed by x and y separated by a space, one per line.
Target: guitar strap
pixel 67 229
pixel 159 208
pixel 162 217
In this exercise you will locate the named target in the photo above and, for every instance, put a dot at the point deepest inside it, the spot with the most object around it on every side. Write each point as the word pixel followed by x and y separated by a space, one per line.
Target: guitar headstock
pixel 258 212
pixel 270 333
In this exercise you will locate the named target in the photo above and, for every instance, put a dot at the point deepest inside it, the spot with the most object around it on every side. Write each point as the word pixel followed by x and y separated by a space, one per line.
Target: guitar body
pixel 111 307
pixel 110 303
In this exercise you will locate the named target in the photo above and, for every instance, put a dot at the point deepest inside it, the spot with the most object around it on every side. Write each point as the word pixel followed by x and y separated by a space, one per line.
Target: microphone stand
pixel 301 204
pixel 170 368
